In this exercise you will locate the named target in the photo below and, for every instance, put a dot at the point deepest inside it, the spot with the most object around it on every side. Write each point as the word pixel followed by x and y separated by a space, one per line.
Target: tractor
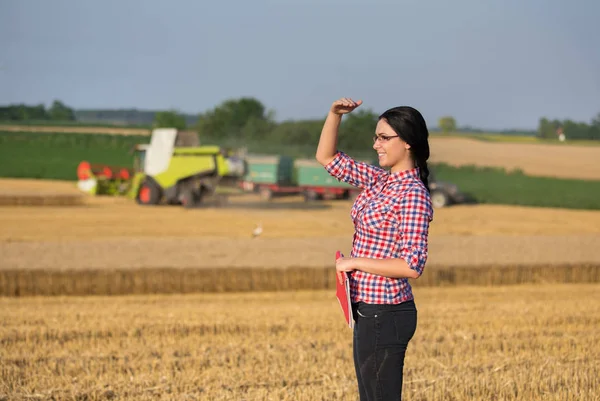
pixel 173 169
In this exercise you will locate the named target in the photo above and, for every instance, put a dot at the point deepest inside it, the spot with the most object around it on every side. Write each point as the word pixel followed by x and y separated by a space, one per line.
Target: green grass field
pixel 496 185
pixel 56 156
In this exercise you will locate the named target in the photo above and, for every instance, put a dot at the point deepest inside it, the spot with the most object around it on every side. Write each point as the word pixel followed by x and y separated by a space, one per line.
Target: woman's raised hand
pixel 344 105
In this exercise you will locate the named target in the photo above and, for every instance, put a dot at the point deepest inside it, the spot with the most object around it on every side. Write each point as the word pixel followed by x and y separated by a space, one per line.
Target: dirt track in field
pixel 563 161
pixel 14 186
pixel 75 129
pixel 115 232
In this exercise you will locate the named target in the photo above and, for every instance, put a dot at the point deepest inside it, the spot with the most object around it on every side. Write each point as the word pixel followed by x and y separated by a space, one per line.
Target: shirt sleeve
pixel 415 215
pixel 355 173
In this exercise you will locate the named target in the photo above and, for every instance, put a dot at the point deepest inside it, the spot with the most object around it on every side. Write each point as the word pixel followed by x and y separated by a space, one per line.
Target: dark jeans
pixel 381 335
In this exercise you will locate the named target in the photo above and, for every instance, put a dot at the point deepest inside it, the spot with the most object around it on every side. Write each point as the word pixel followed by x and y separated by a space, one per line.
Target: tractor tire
pixel 148 194
pixel 439 199
pixel 190 199
pixel 221 200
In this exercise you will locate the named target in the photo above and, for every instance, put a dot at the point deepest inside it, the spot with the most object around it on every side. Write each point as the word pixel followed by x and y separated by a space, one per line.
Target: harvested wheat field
pixel 121 248
pixel 550 160
pixel 507 343
pixel 116 233
pixel 105 217
pixel 113 245
pixel 15 192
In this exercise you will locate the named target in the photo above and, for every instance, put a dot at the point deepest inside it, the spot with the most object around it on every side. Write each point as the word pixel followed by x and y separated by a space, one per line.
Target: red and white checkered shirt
pixel 391 218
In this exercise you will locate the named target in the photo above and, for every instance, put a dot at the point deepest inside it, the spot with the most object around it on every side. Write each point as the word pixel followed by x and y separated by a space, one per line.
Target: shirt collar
pixel 404 175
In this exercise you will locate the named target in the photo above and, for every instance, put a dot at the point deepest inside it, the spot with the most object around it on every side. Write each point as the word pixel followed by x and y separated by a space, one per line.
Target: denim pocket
pixel 372 311
pixel 405 323
pixel 395 328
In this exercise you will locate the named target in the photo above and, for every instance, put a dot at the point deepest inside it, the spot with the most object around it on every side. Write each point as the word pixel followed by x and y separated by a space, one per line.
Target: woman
pixel 391 218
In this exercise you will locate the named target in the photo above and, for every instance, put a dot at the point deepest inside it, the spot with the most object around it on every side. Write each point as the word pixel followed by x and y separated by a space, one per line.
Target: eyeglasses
pixel 383 138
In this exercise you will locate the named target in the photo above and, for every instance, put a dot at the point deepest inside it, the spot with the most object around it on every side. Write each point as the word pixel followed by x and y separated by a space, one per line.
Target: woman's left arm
pixel 396 268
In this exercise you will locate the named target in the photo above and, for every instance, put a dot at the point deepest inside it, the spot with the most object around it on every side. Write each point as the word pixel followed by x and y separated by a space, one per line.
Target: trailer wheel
pixel 148 194
pixel 310 195
pixel 265 193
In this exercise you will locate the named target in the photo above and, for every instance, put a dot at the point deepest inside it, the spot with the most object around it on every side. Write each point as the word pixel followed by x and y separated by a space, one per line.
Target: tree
pixel 59 112
pixel 169 119
pixel 447 124
pixel 303 132
pixel 230 120
pixel 357 130
pixel 596 121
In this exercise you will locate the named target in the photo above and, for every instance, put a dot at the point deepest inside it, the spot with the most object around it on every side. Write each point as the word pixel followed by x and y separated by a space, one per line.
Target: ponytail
pixel 423 171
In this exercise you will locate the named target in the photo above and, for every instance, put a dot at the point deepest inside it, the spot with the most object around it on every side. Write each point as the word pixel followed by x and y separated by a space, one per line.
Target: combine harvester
pixel 173 169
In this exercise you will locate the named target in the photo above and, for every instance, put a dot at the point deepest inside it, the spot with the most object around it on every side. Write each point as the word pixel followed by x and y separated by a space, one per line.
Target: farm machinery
pixel 272 176
pixel 173 169
pixel 276 175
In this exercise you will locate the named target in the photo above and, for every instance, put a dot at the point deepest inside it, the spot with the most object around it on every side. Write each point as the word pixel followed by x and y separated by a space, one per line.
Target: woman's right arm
pixel 338 164
pixel 327 148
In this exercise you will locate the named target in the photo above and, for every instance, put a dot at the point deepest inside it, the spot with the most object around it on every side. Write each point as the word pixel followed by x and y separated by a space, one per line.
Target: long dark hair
pixel 410 126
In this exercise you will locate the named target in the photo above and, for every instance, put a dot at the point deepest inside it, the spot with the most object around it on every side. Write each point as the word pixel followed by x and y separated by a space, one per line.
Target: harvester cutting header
pixel 173 168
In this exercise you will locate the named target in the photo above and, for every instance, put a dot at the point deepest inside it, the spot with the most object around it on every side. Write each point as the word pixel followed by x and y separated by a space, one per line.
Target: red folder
pixel 342 292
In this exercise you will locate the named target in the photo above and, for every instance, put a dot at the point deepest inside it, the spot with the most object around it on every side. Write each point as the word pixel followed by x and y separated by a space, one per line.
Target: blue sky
pixel 490 64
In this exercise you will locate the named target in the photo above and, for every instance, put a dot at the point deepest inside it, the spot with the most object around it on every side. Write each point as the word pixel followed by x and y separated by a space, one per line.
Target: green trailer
pixel 316 183
pixel 272 176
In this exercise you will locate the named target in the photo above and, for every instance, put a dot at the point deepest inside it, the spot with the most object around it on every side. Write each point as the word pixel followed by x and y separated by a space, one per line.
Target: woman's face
pixel 391 150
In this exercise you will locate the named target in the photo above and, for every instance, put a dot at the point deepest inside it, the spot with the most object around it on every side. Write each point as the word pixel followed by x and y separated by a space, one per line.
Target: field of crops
pixel 537 159
pixel 535 343
pixel 56 156
pixel 494 185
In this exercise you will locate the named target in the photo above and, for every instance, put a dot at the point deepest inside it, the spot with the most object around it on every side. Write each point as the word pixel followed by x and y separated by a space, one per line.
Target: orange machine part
pixel 124 174
pixel 83 170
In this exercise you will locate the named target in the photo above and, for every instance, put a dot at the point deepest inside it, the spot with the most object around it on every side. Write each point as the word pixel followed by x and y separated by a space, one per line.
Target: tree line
pixel 22 112
pixel 59 112
pixel 246 119
pixel 551 129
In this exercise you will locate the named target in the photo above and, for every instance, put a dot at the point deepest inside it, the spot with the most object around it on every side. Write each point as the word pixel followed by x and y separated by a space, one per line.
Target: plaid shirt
pixel 391 218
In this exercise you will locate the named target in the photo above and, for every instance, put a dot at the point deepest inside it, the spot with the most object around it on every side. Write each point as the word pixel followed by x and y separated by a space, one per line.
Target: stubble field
pixel 538 159
pixel 472 343
pixel 116 233
pixel 493 342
